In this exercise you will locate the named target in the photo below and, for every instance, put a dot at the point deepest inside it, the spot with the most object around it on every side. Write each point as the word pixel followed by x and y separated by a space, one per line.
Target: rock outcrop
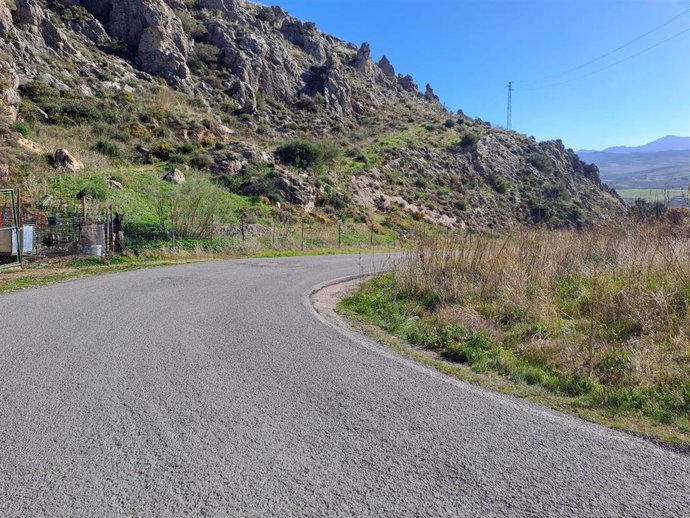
pixel 175 176
pixel 363 60
pixel 63 158
pixel 386 67
pixel 429 94
pixel 152 31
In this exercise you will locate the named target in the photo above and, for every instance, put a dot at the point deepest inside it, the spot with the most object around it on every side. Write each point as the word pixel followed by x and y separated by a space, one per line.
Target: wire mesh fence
pixel 60 228
pixel 63 228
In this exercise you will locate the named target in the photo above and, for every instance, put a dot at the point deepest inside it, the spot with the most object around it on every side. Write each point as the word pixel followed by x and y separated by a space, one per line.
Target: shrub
pixel 540 161
pixel 163 151
pixel 498 183
pixel 207 53
pixel 107 148
pixel 23 129
pixel 301 154
pixel 468 141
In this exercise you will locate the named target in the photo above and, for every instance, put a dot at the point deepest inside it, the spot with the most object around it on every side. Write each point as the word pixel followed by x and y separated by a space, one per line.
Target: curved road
pixel 213 390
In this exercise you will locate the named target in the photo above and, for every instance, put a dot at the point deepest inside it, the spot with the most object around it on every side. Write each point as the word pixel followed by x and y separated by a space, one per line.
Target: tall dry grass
pixel 611 304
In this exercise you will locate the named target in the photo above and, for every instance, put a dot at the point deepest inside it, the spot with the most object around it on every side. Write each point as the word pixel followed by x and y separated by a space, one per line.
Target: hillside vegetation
pixel 264 106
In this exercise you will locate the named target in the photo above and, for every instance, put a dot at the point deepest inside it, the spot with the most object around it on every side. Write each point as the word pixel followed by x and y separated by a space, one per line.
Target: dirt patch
pixel 326 299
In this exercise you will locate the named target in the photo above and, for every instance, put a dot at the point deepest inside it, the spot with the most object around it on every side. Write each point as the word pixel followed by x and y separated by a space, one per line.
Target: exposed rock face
pixel 408 84
pixel 231 8
pixel 429 94
pixel 336 90
pixel 245 96
pixel 6 25
pixel 363 60
pixel 151 27
pixel 9 95
pixel 91 28
pixel 175 176
pixel 305 37
pixel 262 64
pixel 386 67
pixel 64 158
pixel 40 29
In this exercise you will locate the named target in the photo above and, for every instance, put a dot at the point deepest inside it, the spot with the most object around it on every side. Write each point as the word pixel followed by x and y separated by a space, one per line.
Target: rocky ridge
pixel 253 77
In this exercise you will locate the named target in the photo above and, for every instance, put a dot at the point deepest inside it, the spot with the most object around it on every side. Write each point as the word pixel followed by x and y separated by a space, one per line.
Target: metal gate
pixel 10 235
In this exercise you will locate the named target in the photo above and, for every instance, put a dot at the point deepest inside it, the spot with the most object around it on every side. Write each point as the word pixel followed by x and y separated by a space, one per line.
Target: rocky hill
pixel 269 106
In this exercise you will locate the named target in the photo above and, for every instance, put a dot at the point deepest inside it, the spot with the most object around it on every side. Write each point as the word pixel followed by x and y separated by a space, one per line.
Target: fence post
pixel 302 247
pixel 273 231
pixel 109 230
pixel 371 235
pixel 242 225
pixel 172 229
pixel 20 227
pixel 339 234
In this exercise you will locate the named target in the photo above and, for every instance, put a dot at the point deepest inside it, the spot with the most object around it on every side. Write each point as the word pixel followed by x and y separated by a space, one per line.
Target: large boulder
pixel 175 176
pixel 64 159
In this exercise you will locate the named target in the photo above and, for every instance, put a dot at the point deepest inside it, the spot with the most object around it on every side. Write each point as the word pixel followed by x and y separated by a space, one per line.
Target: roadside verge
pixel 323 301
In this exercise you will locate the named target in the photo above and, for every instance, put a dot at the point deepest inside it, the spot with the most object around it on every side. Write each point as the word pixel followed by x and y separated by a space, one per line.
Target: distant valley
pixel 654 171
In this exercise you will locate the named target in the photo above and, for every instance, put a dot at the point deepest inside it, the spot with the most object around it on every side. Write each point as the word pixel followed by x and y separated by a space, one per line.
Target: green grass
pixel 479 357
pixel 143 190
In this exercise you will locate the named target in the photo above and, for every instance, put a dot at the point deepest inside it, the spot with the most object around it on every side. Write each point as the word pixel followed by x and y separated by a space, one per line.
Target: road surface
pixel 213 390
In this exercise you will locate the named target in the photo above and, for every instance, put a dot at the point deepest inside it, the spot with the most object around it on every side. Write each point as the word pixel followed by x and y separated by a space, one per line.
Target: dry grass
pixel 590 293
pixel 601 315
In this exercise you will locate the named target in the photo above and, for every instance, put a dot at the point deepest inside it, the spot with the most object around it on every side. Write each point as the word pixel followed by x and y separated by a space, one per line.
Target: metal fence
pixel 10 234
pixel 64 228
pixel 60 228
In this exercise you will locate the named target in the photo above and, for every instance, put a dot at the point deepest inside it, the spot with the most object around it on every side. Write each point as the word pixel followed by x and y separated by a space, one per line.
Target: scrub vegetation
pixel 599 317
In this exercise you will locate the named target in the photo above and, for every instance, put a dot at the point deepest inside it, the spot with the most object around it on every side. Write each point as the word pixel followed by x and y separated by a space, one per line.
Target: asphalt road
pixel 213 390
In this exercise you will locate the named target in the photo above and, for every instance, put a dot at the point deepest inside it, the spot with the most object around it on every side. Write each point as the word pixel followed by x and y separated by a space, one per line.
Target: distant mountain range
pixel 667 143
pixel 644 171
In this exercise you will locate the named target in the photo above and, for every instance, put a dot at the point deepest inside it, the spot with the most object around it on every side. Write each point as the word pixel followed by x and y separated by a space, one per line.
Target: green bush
pixel 23 129
pixel 107 148
pixel 469 139
pixel 542 162
pixel 301 154
pixel 498 183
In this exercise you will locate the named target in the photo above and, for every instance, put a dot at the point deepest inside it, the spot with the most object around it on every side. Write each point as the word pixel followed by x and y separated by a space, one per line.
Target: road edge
pixel 329 317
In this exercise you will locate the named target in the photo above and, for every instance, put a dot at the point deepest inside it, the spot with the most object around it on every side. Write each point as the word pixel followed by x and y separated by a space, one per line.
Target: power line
pixel 610 64
pixel 607 54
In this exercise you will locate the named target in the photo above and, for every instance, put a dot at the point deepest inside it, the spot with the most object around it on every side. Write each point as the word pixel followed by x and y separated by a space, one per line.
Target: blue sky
pixel 469 49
